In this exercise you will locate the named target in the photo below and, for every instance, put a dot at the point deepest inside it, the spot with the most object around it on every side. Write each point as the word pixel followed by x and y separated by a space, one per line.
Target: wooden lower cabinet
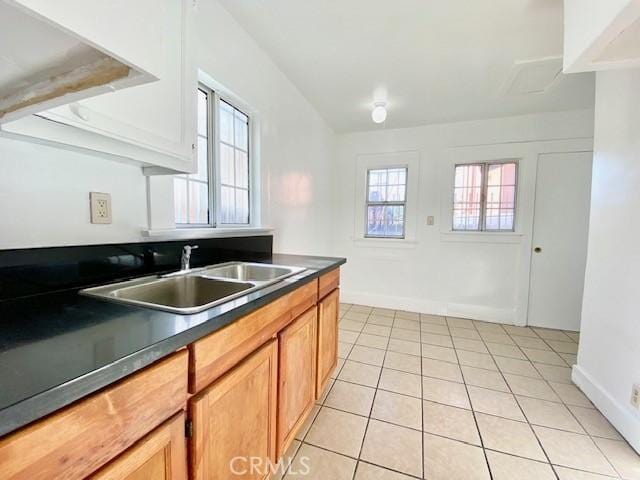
pixel 296 376
pixel 78 440
pixel 234 421
pixel 328 311
pixel 255 383
pixel 161 455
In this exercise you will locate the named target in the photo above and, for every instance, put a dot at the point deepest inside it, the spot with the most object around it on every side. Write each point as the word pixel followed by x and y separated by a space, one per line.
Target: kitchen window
pixel 484 196
pixel 219 192
pixel 386 202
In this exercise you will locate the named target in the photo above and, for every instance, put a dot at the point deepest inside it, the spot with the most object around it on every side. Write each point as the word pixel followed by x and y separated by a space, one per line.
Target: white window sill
pixel 210 232
pixel 364 242
pixel 481 237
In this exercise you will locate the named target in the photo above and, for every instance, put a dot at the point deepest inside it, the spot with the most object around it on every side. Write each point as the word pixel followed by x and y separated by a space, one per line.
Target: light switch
pixel 431 220
pixel 100 207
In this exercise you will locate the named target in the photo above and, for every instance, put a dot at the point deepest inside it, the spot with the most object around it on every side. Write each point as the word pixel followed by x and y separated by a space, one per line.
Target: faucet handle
pixel 187 248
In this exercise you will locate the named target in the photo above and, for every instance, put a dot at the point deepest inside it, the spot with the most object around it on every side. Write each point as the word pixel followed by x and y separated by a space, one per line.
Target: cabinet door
pixel 328 309
pixel 153 125
pixel 296 376
pixel 234 421
pixel 161 455
pixel 124 29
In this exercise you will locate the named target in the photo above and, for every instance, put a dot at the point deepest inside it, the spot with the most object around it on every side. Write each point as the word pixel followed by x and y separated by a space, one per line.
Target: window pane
pixel 385 220
pixel 493 195
pixel 375 220
pixel 467 197
pixel 468 176
pixel 198 202
pixel 377 193
pixel 241 131
pixel 227 165
pixel 227 205
pixel 388 185
pixel 509 174
pixel 501 196
pixel 180 199
pixel 242 169
pixel 395 220
pixel 226 122
pixel 377 177
pixel 395 193
pixel 396 177
pixel 242 206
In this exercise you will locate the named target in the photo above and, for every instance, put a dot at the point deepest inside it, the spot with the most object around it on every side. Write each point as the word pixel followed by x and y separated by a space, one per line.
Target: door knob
pixel 537 249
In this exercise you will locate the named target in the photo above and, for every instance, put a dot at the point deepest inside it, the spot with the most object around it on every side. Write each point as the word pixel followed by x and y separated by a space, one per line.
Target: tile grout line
pixel 305 442
pixel 358 460
pixel 366 428
pixel 531 429
pixel 483 341
pixel 473 413
pixel 487 352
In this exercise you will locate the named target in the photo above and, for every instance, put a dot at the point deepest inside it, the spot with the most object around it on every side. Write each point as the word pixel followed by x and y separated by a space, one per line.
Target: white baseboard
pixel 624 421
pixel 474 312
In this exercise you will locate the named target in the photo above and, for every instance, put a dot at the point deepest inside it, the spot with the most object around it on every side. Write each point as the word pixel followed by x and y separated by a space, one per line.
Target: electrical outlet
pixel 635 396
pixel 100 207
pixel 431 220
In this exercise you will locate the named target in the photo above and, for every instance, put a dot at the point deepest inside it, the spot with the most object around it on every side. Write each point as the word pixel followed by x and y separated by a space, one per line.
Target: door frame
pixel 527 154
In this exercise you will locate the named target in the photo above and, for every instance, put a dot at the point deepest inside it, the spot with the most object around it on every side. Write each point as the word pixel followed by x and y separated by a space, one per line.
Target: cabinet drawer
pixel 214 355
pixel 160 455
pixel 78 440
pixel 328 283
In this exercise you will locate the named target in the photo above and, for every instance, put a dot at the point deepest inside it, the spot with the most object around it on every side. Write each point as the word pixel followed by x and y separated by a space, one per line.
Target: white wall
pixel 44 191
pixel 44 197
pixel 296 144
pixel 483 276
pixel 609 352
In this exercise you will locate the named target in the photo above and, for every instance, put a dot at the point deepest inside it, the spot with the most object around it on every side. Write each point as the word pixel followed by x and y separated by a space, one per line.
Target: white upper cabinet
pixel 601 35
pixel 55 52
pixel 151 124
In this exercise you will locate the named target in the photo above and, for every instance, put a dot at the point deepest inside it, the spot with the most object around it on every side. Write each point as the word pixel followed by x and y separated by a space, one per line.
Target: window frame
pixel 368 203
pixel 483 196
pixel 214 97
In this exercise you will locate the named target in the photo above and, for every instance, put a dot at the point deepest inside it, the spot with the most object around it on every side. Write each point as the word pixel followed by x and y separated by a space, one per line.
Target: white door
pixel 560 228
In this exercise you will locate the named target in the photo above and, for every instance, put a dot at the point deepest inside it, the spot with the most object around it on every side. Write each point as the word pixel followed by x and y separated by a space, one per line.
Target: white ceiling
pixel 438 60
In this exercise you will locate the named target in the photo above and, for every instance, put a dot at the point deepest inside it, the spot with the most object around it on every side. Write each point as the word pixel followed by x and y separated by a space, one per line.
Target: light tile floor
pixel 441 398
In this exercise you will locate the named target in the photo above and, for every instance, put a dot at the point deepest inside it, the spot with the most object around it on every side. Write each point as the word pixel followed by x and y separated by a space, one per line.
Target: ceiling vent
pixel 533 77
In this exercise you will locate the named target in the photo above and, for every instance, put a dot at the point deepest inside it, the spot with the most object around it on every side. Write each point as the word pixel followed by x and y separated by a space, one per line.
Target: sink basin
pixel 181 292
pixel 193 291
pixel 250 272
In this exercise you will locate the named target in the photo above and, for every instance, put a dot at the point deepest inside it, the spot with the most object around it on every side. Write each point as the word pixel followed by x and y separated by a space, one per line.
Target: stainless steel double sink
pixel 194 290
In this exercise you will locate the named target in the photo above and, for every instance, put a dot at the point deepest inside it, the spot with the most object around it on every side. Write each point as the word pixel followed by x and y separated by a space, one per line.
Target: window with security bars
pixel 234 165
pixel 386 202
pixel 220 190
pixel 484 197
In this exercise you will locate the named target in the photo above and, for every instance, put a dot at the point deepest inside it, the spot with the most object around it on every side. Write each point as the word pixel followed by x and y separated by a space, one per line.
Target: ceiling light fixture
pixel 379 112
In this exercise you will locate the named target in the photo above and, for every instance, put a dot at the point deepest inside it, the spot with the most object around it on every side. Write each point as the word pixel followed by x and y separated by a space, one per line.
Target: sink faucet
pixel 186 257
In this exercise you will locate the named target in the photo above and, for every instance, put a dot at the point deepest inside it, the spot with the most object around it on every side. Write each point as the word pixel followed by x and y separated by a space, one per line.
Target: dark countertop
pixel 57 348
